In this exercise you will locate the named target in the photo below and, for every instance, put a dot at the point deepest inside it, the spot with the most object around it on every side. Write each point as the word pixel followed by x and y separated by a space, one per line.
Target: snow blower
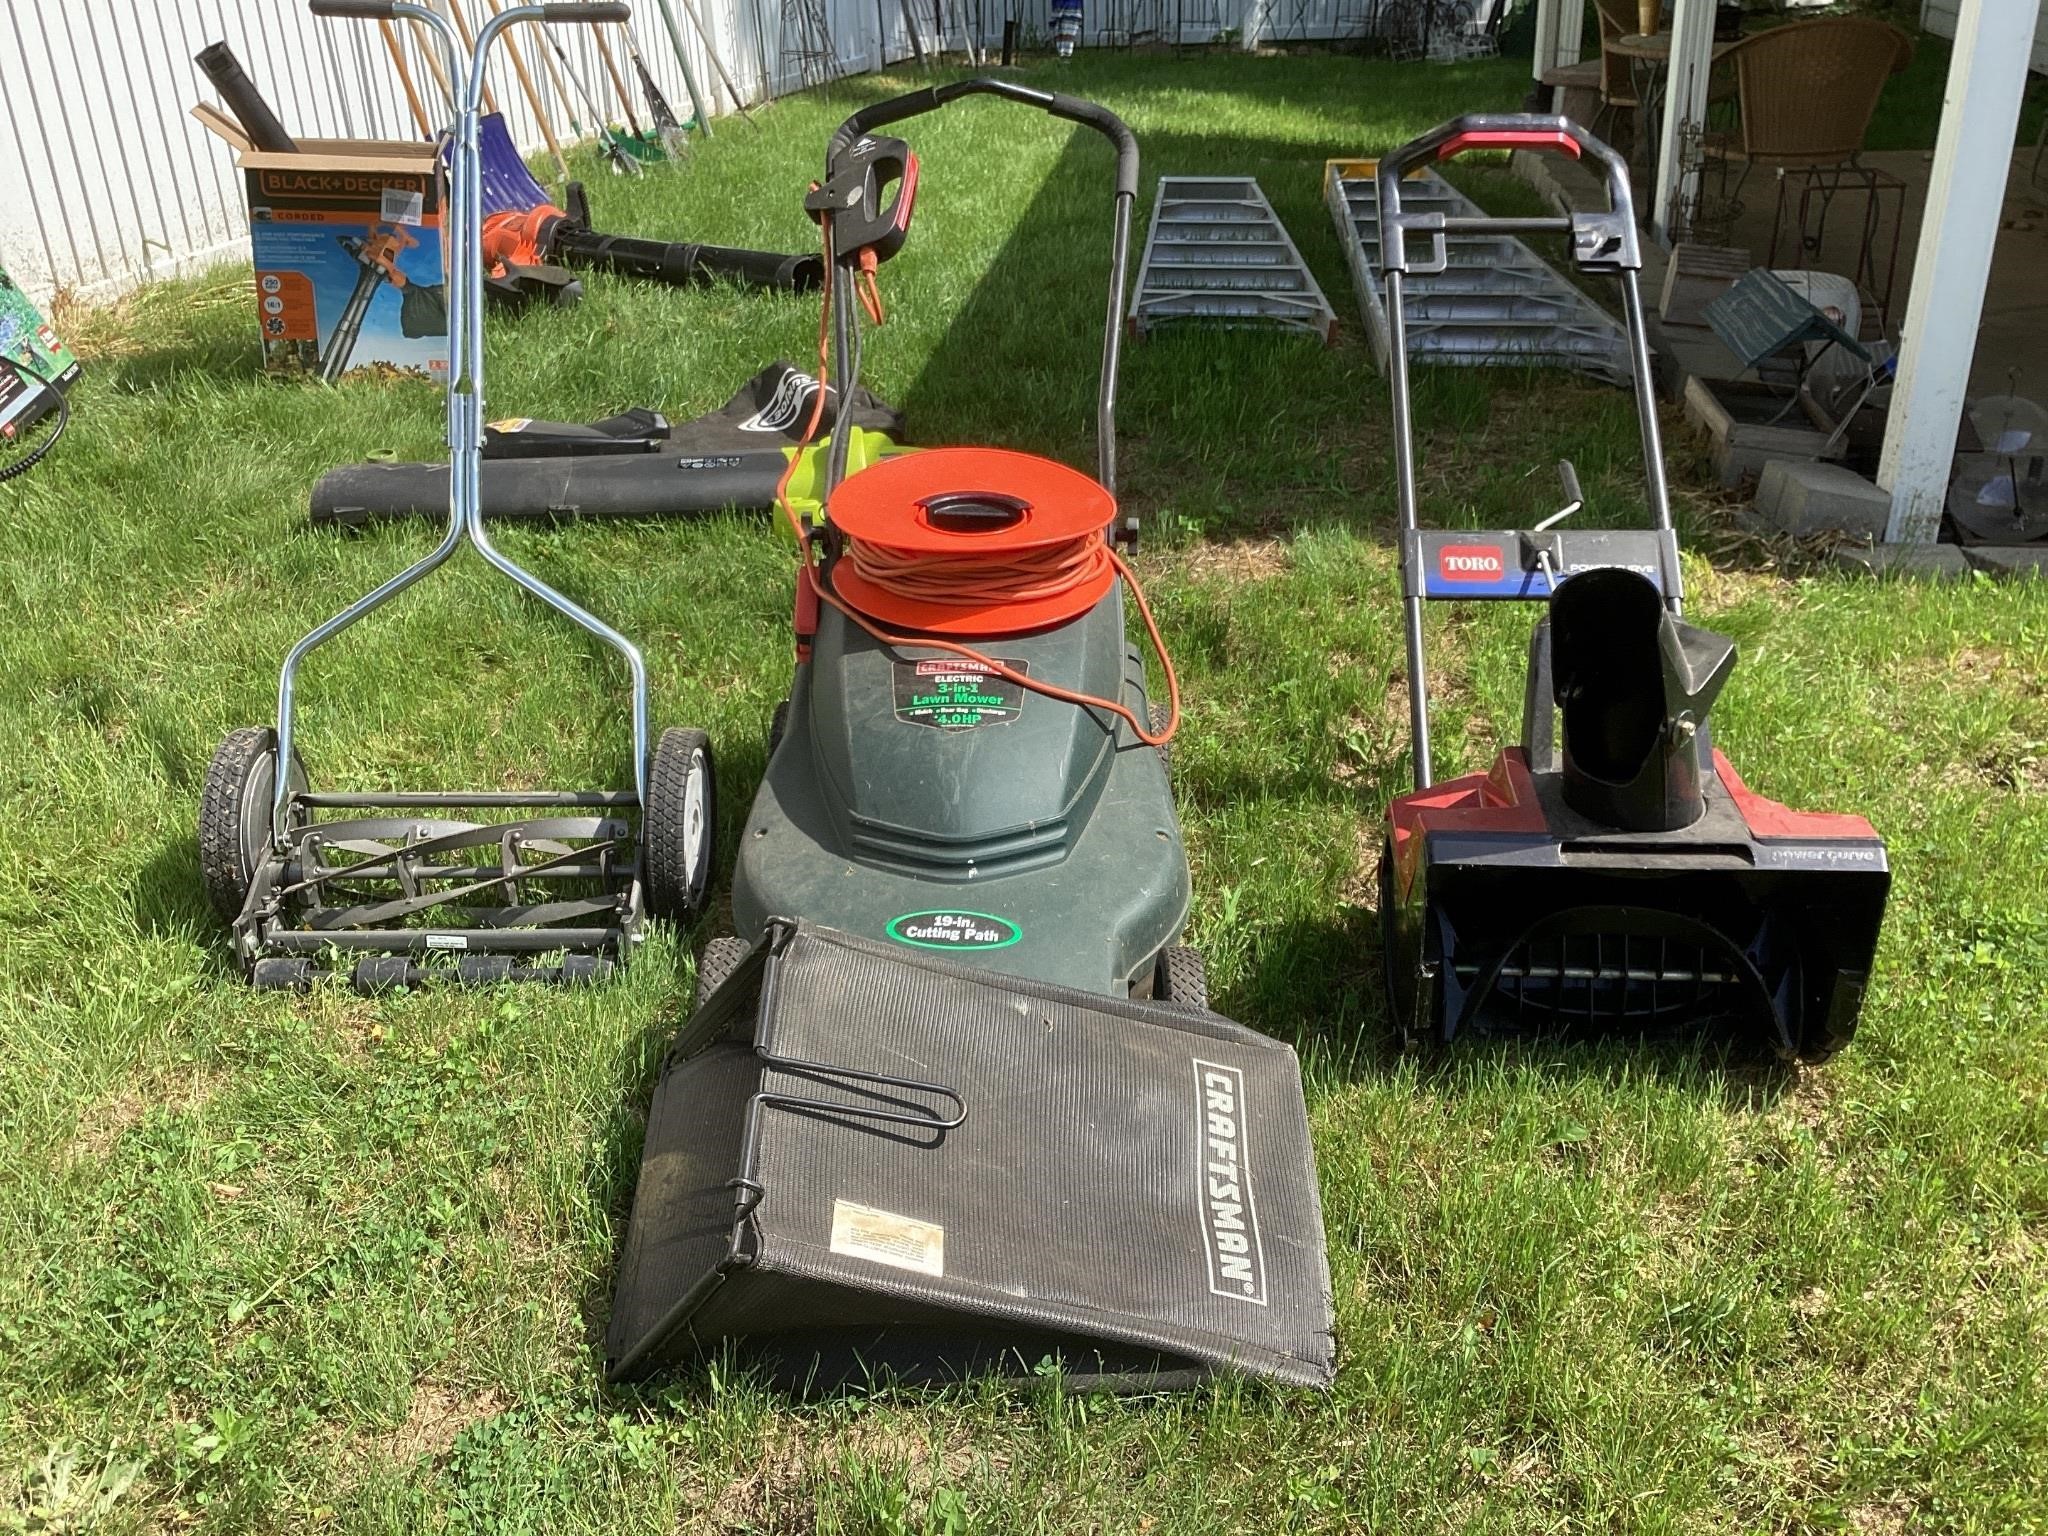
pixel 1612 875
pixel 542 884
pixel 952 1100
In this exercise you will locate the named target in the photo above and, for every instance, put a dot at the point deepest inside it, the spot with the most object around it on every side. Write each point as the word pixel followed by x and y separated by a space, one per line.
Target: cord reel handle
pixel 869 224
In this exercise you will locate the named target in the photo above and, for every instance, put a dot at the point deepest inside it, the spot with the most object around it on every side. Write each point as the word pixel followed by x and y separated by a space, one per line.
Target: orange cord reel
pixel 972 541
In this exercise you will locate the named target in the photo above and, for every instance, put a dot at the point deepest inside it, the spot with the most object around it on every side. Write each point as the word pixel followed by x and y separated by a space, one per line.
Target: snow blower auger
pixel 1614 876
pixel 953 1101
pixel 545 884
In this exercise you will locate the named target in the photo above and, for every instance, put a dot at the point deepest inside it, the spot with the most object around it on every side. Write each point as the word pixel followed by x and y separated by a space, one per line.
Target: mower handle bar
pixel 1602 241
pixel 463 230
pixel 1075 110
pixel 550 11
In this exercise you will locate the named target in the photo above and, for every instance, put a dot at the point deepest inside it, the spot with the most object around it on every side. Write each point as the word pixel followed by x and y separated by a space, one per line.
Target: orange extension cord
pixel 969 582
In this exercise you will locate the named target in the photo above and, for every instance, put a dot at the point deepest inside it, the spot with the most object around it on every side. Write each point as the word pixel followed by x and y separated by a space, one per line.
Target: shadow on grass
pixel 1331 972
pixel 167 900
pixel 215 354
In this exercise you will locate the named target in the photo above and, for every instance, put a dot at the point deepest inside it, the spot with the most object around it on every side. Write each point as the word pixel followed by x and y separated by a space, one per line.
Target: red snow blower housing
pixel 1613 875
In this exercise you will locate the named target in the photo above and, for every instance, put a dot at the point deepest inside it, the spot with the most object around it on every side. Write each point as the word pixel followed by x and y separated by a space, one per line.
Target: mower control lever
pixel 1574 498
pixel 1543 550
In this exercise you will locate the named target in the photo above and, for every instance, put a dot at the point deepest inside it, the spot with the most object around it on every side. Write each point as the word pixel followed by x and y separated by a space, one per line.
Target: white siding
pixel 106 181
pixel 1939 17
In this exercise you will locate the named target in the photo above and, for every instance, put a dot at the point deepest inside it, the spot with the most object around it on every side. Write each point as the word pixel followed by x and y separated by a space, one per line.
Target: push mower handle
pixel 1603 242
pixel 552 11
pixel 916 103
pixel 1105 122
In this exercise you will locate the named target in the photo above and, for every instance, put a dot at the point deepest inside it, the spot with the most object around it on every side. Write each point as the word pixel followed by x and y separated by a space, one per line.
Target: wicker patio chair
pixel 1807 91
pixel 1805 94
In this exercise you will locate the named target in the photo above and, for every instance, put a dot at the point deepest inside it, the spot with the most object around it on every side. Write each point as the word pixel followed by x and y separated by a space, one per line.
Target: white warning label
pixel 903 1242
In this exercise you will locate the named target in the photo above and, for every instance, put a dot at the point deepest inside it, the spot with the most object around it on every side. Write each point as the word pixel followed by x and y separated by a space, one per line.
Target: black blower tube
pixel 683 263
pixel 244 100
pixel 556 488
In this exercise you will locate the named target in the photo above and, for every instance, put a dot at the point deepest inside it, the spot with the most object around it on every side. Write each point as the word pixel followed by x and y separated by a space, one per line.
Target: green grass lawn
pixel 322 1263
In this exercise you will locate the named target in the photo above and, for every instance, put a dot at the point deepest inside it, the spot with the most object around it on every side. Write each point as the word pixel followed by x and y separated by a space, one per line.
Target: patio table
pixel 1649 63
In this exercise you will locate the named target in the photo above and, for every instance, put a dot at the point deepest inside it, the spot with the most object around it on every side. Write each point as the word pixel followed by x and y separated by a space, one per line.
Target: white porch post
pixel 1685 106
pixel 1559 26
pixel 1979 118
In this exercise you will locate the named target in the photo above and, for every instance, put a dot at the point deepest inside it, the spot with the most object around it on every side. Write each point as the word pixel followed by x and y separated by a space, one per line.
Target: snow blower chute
pixel 953 1100
pixel 423 884
pixel 1613 875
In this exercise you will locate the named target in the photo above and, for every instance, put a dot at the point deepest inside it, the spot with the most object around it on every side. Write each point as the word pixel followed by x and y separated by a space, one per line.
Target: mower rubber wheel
pixel 234 814
pixel 720 959
pixel 778 725
pixel 1156 716
pixel 1180 976
pixel 679 825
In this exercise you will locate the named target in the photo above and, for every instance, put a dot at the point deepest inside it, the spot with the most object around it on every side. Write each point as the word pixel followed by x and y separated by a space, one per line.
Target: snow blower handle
pixel 1602 241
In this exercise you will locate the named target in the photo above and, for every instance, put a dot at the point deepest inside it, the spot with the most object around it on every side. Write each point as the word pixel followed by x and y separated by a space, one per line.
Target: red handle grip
pixel 1508 138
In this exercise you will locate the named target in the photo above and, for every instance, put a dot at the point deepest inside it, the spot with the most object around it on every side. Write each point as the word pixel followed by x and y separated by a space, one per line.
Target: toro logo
pixel 1471 562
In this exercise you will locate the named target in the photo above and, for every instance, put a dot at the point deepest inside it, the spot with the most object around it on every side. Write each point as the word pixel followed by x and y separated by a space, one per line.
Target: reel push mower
pixel 556 892
pixel 957 1038
pixel 1614 875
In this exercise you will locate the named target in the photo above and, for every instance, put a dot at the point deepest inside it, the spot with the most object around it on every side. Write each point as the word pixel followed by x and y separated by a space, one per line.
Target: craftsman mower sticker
pixel 954 930
pixel 953 694
pixel 1230 1222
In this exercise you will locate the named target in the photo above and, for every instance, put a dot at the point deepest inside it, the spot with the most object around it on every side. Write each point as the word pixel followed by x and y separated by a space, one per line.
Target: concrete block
pixel 1743 448
pixel 1915 562
pixel 1803 498
pixel 2009 559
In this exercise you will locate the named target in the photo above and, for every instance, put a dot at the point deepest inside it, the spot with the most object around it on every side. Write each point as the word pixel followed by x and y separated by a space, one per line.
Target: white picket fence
pixel 107 181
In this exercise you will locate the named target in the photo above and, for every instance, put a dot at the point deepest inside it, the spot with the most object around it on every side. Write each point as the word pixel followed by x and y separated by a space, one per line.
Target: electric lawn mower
pixel 952 1099
pixel 557 892
pixel 1613 875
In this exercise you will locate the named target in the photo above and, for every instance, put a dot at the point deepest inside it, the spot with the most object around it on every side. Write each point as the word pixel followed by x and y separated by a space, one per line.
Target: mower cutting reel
pixel 1611 874
pixel 479 886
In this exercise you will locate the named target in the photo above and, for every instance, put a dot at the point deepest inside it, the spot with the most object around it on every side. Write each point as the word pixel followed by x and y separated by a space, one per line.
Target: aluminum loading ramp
pixel 1217 252
pixel 1497 303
